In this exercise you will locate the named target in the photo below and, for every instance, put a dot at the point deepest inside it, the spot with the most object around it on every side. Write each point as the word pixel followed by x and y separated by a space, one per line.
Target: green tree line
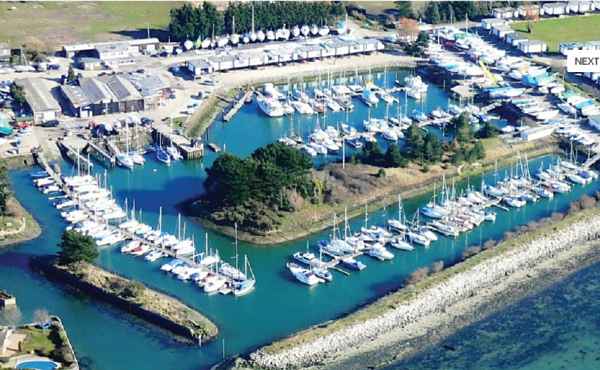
pixel 263 177
pixel 189 22
pixel 446 11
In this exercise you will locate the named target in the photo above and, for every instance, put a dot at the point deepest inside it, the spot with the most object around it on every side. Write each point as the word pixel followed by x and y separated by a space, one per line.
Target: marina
pixel 132 209
pixel 232 314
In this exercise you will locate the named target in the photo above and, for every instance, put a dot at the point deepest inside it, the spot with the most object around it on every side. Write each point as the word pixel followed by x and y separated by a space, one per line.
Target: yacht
pixel 415 87
pixel 378 251
pixel 124 160
pixel 303 275
pixel 270 106
pixel 369 97
pixel 400 243
pixel 163 156
pixel 353 263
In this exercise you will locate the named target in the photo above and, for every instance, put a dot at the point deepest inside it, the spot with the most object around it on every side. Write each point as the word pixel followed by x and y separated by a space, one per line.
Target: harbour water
pixel 106 338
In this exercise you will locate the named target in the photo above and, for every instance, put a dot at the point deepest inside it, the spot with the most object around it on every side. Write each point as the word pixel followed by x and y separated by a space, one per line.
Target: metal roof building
pixel 42 103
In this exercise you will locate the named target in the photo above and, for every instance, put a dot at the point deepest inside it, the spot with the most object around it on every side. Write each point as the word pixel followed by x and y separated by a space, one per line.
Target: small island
pixel 275 195
pixel 74 266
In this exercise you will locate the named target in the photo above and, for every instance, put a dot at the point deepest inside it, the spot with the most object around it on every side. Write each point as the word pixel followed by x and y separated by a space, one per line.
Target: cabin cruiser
pixel 353 263
pixel 270 106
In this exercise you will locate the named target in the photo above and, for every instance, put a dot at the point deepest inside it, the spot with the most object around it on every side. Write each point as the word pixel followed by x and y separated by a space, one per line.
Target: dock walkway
pixel 236 107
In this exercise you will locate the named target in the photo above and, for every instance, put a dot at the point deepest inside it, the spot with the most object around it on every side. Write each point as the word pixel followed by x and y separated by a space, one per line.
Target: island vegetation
pixel 252 191
pixel 74 265
pixel 190 23
pixel 16 224
pixel 276 195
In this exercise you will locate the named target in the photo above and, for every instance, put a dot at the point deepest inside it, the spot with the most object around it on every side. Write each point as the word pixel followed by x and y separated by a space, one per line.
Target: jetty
pixel 99 153
pixel 74 154
pixel 241 100
pixel 189 148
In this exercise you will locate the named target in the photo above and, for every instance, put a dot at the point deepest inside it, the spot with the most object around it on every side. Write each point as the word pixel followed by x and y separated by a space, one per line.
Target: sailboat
pixel 136 156
pixel 234 38
pixel 123 158
pixel 398 224
pixel 161 154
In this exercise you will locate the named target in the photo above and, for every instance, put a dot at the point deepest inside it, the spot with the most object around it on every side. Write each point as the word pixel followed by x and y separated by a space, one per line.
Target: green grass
pixel 48 25
pixel 555 31
pixel 38 340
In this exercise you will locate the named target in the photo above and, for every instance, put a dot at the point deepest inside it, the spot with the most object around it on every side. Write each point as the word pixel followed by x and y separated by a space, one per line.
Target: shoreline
pixel 210 109
pixel 413 318
pixel 32 229
pixel 147 304
pixel 375 201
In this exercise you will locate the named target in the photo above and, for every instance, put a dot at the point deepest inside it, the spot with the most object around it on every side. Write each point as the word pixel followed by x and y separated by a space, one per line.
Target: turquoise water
pixel 553 330
pixel 107 338
pixel 37 365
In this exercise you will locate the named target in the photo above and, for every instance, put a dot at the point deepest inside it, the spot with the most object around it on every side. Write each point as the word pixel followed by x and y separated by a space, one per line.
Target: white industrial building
pixel 533 47
pixel 283 54
pixel 536 133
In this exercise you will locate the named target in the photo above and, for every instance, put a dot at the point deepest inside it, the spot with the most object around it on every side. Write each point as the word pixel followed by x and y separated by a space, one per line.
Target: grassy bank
pixel 403 295
pixel 155 307
pixel 555 31
pixel 48 25
pixel 17 214
pixel 408 182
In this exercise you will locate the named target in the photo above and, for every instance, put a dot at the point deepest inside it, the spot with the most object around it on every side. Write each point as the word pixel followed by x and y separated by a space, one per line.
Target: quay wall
pixel 46 265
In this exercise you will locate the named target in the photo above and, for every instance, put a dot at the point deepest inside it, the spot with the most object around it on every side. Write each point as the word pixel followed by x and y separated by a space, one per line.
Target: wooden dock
pixel 75 155
pixel 189 149
pixel 100 153
pixel 236 107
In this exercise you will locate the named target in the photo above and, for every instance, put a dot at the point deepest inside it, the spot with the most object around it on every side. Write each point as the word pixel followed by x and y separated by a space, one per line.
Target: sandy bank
pixel 397 325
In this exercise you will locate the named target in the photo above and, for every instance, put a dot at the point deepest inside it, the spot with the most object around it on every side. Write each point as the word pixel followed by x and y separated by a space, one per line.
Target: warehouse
pixel 42 103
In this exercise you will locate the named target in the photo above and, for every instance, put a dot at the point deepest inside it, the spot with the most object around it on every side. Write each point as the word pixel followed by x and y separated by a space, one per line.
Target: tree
pixel 76 247
pixel 432 13
pixel 405 9
pixel 393 157
pixel 18 94
pixel 423 39
pixel 464 132
pixel 432 148
pixel 415 141
pixel 478 150
pixel 4 190
pixel 488 130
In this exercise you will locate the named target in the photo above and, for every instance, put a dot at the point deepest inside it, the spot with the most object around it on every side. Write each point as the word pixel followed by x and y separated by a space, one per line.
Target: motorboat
pixel 400 243
pixel 124 160
pixel 270 106
pixel 379 252
pixel 353 263
pixel 369 97
pixel 163 156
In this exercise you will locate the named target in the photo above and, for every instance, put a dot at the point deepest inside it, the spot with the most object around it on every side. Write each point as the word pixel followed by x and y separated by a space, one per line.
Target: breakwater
pixel 337 340
pixel 154 307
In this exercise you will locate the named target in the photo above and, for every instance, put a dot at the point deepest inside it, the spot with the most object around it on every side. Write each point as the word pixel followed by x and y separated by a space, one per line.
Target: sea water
pixel 555 329
pixel 107 338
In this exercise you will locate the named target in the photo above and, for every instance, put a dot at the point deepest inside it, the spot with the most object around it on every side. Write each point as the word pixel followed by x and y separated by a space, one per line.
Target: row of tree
pixel 263 177
pixel 4 191
pixel 190 23
pixel 447 11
